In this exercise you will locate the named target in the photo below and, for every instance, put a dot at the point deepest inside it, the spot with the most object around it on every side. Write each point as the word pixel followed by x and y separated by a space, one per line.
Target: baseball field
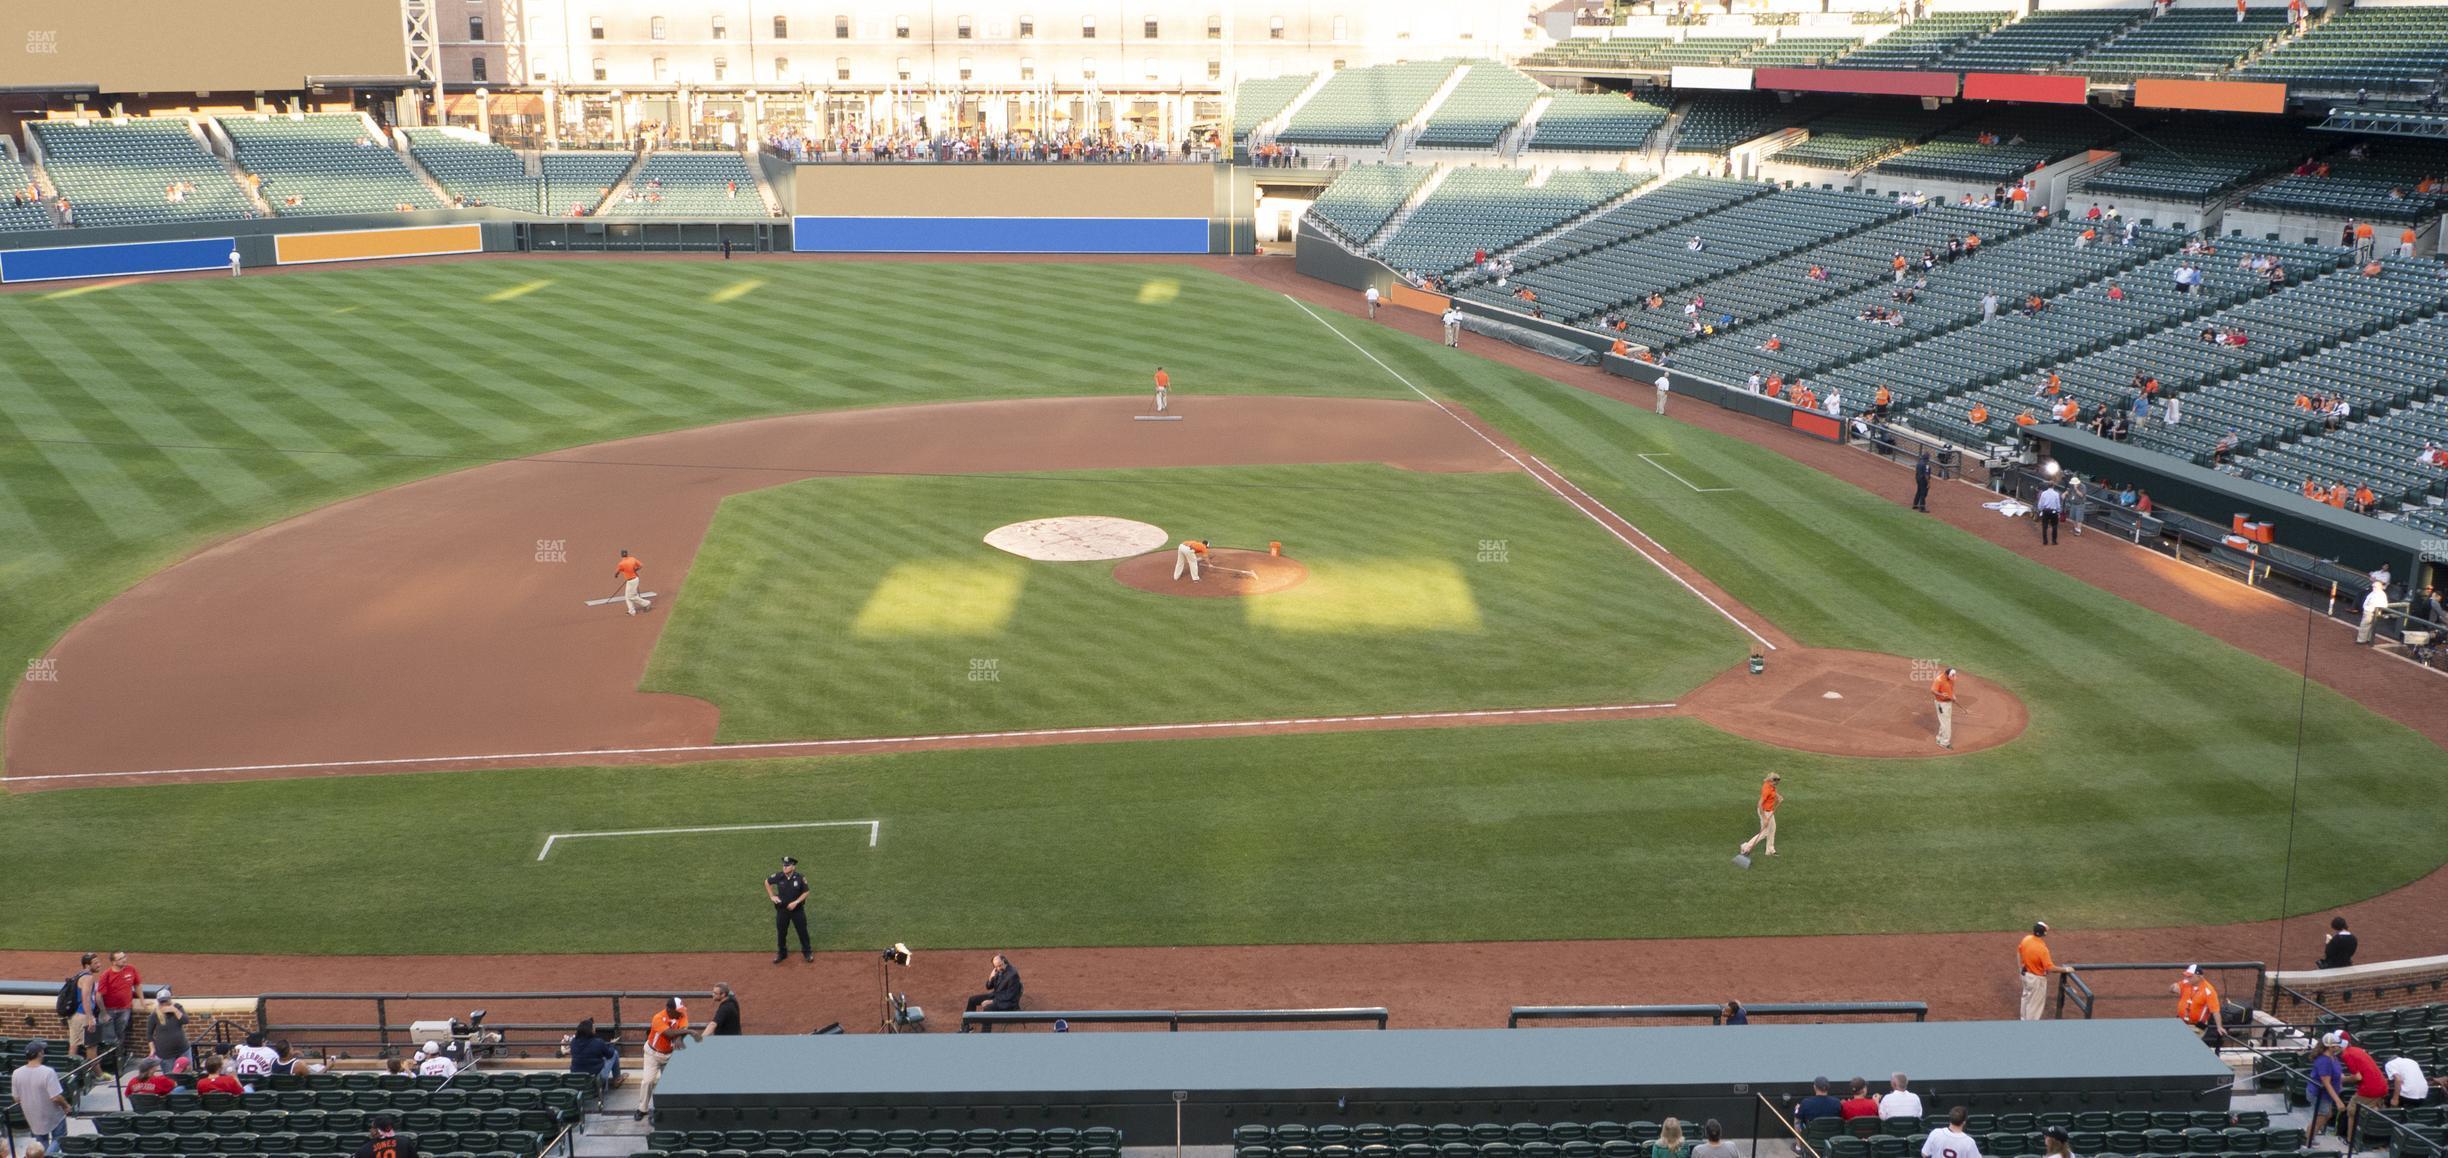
pixel 269 536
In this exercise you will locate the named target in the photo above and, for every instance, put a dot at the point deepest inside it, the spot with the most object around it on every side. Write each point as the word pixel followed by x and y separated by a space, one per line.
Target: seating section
pixel 2385 185
pixel 1921 43
pixel 1493 209
pixel 690 185
pixel 1581 287
pixel 1262 100
pixel 1702 50
pixel 1669 204
pixel 1848 263
pixel 2184 42
pixel 2012 1135
pixel 2042 41
pixel 2216 157
pixel 2002 357
pixel 324 163
pixel 906 1142
pixel 18 211
pixel 502 1114
pixel 1362 106
pixel 478 172
pixel 2020 140
pixel 581 179
pixel 2389 51
pixel 2379 452
pixel 1716 122
pixel 1361 199
pixel 1489 100
pixel 1591 54
pixel 1842 330
pixel 123 172
pixel 1596 122
pixel 2380 375
pixel 1801 51
pixel 1858 137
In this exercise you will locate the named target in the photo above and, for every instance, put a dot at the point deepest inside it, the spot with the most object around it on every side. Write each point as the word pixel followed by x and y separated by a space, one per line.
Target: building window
pixel 1215 68
pixel 781 27
pixel 1087 27
pixel 1342 27
pixel 476 70
pixel 966 69
pixel 1275 28
pixel 722 29
pixel 961 27
pixel 781 68
pixel 841 68
pixel 721 65
pixel 475 27
pixel 662 70
pixel 1338 64
pixel 1088 68
pixel 1028 68
pixel 1149 32
pixel 1028 27
pixel 901 28
pixel 1215 28
pixel 841 28
pixel 594 27
pixel 601 73
pixel 654 28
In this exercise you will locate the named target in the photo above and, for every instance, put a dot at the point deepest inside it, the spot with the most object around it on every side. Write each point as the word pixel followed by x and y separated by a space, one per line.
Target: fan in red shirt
pixel 150 1080
pixel 216 1082
pixel 1859 1103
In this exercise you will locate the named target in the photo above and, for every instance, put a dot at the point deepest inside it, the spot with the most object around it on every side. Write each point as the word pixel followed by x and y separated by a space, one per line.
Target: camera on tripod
pixel 899 1015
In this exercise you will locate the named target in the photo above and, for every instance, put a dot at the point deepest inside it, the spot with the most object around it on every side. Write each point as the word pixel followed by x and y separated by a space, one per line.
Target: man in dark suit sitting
pixel 1002 991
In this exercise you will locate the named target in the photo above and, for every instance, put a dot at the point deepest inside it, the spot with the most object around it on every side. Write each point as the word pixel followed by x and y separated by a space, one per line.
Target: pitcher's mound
pixel 1855 703
pixel 1264 574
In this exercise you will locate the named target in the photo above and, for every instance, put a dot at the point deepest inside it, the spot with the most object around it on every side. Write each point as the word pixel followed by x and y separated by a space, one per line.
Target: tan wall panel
pixel 1048 190
pixel 361 244
pixel 169 46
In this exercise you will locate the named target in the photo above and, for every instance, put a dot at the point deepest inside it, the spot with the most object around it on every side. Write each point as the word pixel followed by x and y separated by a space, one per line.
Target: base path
pixel 440 618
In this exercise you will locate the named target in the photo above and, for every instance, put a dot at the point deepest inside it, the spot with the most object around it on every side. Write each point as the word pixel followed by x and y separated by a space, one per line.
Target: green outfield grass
pixel 870 606
pixel 2166 779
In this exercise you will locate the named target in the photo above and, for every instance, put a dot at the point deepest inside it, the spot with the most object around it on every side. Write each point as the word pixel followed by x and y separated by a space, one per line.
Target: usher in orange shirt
pixel 2035 955
pixel 1768 796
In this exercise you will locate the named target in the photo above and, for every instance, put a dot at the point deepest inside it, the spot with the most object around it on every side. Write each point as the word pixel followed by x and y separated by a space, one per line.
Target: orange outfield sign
pixel 362 244
pixel 2233 96
pixel 1421 300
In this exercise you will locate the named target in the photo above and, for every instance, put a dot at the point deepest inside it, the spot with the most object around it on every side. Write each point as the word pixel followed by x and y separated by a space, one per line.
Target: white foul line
pixel 871 741
pixel 1652 460
pixel 1542 480
pixel 875 830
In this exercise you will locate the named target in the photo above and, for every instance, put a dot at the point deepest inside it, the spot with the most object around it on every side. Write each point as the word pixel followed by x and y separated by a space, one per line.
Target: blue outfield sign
pixel 999 234
pixel 135 257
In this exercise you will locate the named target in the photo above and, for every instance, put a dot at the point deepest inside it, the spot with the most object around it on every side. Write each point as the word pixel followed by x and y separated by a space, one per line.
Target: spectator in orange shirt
pixel 2405 241
pixel 2364 498
pixel 1620 348
pixel 664 1036
pixel 1979 415
pixel 2026 419
pixel 1767 815
pixel 2197 1004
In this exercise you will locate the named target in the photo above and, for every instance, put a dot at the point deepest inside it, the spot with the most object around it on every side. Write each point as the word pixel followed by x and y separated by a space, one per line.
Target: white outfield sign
pixel 1702 76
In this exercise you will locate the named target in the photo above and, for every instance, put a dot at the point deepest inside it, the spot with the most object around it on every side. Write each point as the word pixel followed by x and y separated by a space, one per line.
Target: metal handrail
pixel 1714 1014
pixel 2297 996
pixel 1801 1144
pixel 2085 999
pixel 1173 1019
pixel 383 1030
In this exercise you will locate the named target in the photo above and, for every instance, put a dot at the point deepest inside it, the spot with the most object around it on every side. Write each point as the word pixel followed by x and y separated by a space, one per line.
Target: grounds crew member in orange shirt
pixel 1942 690
pixel 1164 384
pixel 627 570
pixel 1188 556
pixel 1767 816
pixel 664 1036
pixel 2197 1003
pixel 2037 965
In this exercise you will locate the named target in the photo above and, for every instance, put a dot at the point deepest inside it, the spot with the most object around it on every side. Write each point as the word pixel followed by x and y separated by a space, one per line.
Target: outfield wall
pixel 925 207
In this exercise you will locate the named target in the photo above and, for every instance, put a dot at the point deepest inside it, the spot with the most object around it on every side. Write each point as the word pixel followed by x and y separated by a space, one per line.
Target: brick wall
pixel 2361 989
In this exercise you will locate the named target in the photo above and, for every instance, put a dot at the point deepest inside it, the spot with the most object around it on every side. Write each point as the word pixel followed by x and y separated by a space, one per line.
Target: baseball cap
pixel 2192 970
pixel 2334 1038
pixel 2057 1132
pixel 2040 926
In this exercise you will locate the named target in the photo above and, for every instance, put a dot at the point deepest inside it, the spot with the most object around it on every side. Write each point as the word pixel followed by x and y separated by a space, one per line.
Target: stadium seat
pixel 1363 106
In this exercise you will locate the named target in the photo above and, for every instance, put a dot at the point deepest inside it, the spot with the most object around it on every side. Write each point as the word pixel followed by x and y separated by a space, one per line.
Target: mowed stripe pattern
pixel 142 420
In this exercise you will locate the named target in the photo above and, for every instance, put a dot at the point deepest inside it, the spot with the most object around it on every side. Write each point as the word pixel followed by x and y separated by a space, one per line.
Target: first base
pixel 617 598
pixel 1741 861
pixel 1155 417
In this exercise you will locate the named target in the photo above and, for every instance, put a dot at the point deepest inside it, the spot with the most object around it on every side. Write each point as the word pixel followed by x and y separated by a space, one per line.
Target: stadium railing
pixel 2073 988
pixel 628 1011
pixel 1173 1019
pixel 1714 1014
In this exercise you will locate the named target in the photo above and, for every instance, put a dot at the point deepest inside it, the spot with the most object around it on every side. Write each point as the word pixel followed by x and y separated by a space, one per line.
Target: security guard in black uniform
pixel 789 891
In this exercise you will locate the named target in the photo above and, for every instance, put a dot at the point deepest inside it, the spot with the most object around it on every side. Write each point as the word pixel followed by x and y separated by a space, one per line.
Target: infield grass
pixel 870 606
pixel 2166 778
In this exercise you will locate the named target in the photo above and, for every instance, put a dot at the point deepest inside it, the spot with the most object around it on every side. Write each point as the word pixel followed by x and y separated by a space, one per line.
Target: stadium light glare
pixel 2050 470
